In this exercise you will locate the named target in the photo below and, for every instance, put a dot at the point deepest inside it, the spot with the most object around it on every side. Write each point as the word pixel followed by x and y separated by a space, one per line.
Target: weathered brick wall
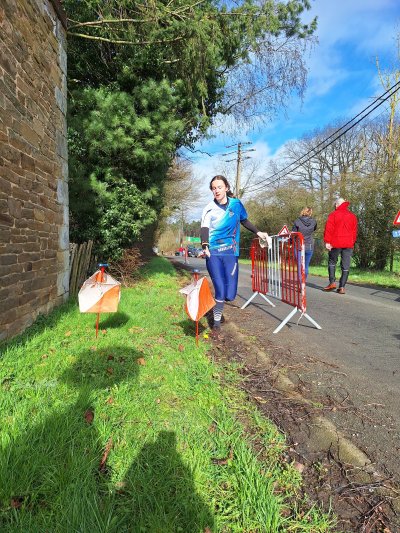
pixel 34 262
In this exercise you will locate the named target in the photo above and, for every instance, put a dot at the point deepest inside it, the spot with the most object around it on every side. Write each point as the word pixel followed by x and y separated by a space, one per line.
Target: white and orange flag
pixel 199 299
pixel 99 294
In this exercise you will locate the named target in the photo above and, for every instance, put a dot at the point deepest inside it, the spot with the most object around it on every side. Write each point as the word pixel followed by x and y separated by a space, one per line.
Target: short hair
pixel 339 201
pixel 306 212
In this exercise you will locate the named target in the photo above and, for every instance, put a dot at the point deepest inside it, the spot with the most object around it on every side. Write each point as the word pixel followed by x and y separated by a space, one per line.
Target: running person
pixel 220 236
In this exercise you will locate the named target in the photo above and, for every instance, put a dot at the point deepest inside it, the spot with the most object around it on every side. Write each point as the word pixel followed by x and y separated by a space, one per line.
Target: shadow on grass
pixel 158 494
pixel 114 320
pixel 189 327
pixel 53 475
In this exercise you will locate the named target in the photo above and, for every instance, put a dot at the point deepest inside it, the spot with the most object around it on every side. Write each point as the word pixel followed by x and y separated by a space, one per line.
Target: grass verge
pixel 369 277
pixel 357 275
pixel 136 431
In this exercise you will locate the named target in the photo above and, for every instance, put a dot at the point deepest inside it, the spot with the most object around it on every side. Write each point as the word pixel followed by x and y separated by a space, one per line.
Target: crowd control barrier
pixel 279 272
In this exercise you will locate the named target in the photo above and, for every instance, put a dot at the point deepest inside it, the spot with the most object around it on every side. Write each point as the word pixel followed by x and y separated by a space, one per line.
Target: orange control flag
pixel 199 299
pixel 99 294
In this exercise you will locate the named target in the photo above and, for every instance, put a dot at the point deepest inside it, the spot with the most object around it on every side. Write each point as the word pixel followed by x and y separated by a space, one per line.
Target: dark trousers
pixel 345 259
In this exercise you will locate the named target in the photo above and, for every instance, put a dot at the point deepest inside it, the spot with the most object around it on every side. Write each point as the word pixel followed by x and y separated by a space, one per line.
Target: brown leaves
pixel 212 428
pixel 67 334
pixel 103 462
pixel 110 371
pixel 181 348
pixel 110 400
pixel 224 461
pixel 89 416
pixel 141 361
pixel 16 503
pixel 299 467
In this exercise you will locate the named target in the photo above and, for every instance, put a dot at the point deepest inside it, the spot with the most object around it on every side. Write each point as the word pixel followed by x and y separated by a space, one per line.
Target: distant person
pixel 340 235
pixel 306 225
pixel 220 236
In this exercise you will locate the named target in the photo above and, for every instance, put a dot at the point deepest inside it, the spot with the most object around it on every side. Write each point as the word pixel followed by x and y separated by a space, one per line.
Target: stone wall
pixel 34 247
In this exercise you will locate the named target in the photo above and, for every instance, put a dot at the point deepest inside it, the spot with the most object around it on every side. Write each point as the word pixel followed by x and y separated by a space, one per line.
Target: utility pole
pixel 239 158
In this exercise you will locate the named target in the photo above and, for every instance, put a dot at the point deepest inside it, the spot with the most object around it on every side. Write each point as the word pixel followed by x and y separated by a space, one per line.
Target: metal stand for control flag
pixel 100 279
pixel 196 279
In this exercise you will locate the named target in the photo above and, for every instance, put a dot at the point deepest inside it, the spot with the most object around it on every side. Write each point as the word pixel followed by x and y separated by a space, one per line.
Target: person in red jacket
pixel 340 235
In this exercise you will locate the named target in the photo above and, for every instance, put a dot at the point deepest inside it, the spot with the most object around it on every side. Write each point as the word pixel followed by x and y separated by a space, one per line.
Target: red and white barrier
pixel 279 272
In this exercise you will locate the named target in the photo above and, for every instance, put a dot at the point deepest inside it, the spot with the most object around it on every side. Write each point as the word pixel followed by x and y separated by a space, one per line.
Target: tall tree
pixel 148 78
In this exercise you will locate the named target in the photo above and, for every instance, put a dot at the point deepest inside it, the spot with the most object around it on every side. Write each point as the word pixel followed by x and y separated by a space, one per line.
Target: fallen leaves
pixel 181 348
pixel 67 334
pixel 141 361
pixel 89 416
pixel 103 461
pixel 16 503
pixel 299 467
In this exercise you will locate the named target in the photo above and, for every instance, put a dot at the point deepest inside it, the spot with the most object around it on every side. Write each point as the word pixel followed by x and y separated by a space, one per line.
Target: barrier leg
pixel 312 321
pixel 249 300
pixel 265 298
pixel 252 298
pixel 285 321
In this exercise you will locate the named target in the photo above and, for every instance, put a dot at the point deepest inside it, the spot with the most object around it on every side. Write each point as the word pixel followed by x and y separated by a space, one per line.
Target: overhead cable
pixel 314 151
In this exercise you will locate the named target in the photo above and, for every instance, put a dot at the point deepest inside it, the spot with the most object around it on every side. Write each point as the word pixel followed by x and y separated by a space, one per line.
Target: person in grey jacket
pixel 306 225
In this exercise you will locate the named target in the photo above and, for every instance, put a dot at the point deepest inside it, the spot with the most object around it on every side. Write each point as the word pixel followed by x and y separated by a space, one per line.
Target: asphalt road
pixel 361 335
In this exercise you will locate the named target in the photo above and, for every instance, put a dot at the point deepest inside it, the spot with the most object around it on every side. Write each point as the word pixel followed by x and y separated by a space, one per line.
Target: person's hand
pixel 263 236
pixel 207 251
pixel 328 246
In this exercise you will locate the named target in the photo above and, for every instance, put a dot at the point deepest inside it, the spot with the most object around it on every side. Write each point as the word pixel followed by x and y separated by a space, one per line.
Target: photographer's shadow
pixel 51 475
pixel 158 493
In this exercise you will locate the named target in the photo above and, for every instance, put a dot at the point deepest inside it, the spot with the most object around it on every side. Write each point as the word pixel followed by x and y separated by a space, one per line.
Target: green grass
pixel 163 412
pixel 369 277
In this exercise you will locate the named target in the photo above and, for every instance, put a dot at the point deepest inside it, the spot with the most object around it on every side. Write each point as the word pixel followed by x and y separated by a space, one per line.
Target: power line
pixel 313 151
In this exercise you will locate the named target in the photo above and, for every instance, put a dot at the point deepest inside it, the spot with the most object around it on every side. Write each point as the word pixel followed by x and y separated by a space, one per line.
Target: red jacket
pixel 341 227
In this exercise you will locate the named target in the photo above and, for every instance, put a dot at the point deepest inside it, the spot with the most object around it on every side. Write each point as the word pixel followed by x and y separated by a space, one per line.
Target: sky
pixel 342 80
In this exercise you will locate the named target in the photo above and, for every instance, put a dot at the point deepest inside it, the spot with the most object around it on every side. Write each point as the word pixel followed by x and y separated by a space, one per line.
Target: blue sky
pixel 342 79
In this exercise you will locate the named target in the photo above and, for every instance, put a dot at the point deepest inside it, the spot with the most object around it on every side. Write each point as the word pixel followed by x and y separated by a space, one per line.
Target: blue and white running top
pixel 223 222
